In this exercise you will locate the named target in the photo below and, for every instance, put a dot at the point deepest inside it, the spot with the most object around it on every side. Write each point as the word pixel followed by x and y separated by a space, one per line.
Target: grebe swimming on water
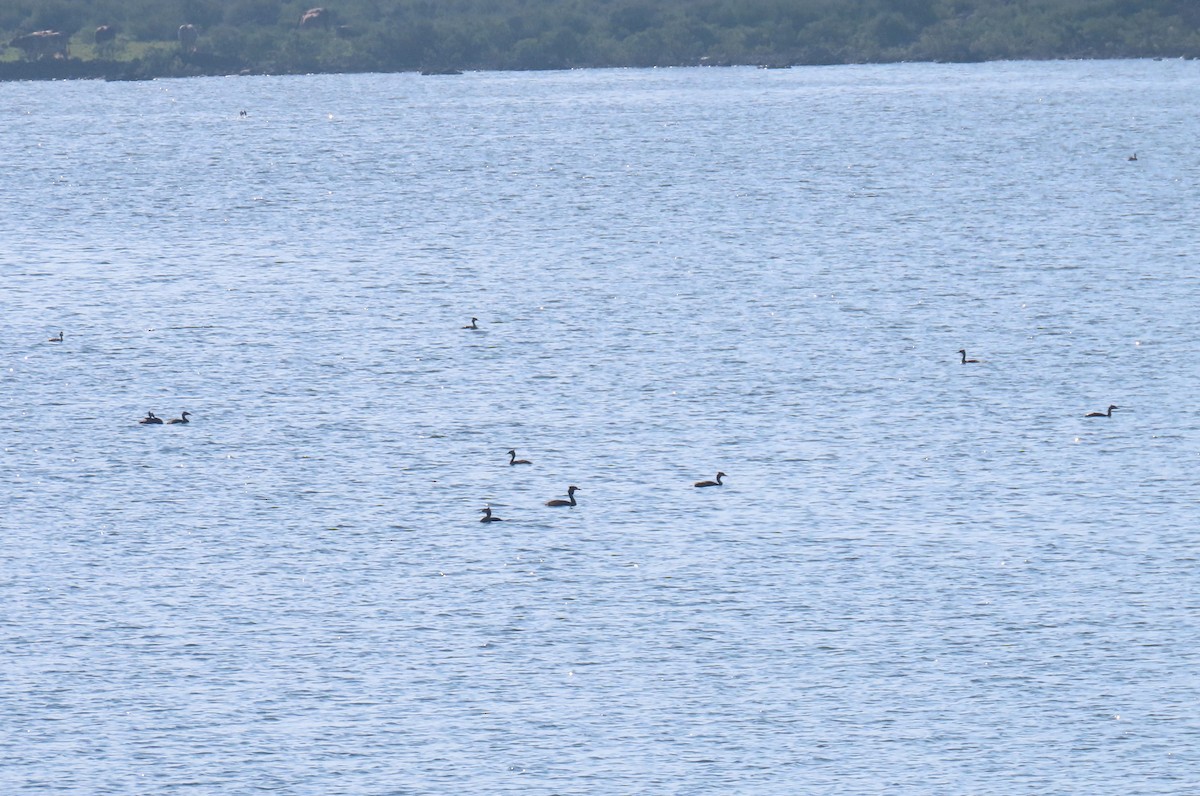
pixel 487 512
pixel 183 418
pixel 1102 414
pixel 711 483
pixel 150 420
pixel 472 325
pixel 58 339
pixel 512 458
pixel 570 493
pixel 965 361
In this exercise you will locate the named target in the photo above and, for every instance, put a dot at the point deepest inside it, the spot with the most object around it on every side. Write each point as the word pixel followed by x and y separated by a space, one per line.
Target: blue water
pixel 920 576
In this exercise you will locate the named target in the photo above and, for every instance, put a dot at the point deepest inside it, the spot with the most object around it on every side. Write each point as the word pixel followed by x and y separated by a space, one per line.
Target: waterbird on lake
pixel 512 459
pixel 1102 414
pixel 570 494
pixel 487 515
pixel 965 361
pixel 711 483
pixel 58 339
pixel 151 420
pixel 1133 156
pixel 183 418
pixel 472 325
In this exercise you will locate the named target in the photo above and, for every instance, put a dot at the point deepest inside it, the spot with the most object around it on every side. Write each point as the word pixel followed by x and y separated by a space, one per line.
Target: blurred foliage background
pixel 396 35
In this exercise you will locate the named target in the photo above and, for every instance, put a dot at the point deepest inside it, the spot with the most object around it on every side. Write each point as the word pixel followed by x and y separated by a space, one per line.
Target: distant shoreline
pixel 97 69
pixel 123 40
pixel 200 66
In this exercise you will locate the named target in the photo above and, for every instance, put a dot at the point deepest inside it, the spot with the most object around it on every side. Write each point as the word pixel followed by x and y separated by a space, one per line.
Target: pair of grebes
pixel 473 326
pixel 513 461
pixel 152 419
pixel 966 361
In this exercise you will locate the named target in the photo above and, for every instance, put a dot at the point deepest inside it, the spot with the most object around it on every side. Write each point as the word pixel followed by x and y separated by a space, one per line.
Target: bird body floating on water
pixel 570 494
pixel 182 419
pixel 472 325
pixel 966 361
pixel 1103 414
pixel 711 483
pixel 58 339
pixel 151 420
pixel 487 515
pixel 512 458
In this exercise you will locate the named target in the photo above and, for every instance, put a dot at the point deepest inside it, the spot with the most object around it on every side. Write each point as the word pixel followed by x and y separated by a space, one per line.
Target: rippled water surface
pixel 920 576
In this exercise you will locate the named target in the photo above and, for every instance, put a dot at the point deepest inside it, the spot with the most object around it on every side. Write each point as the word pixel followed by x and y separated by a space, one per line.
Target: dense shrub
pixel 388 35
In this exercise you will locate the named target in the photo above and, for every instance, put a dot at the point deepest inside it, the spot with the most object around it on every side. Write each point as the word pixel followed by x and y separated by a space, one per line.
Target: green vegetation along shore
pixel 134 39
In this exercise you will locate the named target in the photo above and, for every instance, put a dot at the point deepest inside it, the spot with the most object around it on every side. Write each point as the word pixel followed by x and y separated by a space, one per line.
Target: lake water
pixel 920 576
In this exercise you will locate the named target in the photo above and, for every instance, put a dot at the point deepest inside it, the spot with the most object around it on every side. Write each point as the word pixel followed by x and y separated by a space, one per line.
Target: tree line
pixel 283 37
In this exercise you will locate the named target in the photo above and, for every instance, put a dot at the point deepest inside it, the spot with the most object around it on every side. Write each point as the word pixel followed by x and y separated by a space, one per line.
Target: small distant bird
pixel 1133 156
pixel 487 515
pixel 58 339
pixel 1102 414
pixel 512 459
pixel 570 494
pixel 151 420
pixel 183 418
pixel 711 483
pixel 243 113
pixel 472 325
pixel 965 361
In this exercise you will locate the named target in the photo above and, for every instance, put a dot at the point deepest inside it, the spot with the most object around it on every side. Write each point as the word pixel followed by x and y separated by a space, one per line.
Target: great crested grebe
pixel 487 515
pixel 151 420
pixel 58 339
pixel 183 418
pixel 1102 414
pixel 512 458
pixel 570 493
pixel 965 361
pixel 472 325
pixel 711 483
